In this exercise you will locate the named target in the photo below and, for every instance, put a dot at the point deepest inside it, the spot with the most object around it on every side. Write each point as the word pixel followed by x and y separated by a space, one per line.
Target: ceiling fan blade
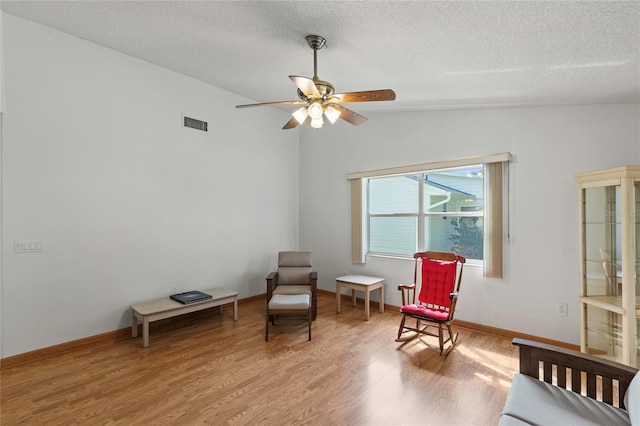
pixel 290 124
pixel 294 102
pixel 306 86
pixel 366 96
pixel 350 116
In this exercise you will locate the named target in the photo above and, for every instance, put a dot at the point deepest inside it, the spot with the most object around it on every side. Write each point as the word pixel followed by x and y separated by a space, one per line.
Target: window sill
pixel 470 262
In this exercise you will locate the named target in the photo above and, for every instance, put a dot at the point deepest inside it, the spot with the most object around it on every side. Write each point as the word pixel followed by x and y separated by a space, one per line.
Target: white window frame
pixel 495 198
pixel 421 214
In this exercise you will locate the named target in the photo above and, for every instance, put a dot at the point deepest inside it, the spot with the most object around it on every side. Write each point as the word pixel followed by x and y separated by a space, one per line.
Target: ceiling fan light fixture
pixel 300 115
pixel 332 114
pixel 315 110
pixel 320 99
pixel 317 123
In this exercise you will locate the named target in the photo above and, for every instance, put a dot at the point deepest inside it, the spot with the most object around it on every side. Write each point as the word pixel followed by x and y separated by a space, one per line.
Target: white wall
pixel 96 165
pixel 549 145
pixel 1 111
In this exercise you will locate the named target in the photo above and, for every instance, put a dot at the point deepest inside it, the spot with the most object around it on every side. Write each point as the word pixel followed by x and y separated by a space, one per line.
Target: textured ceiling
pixel 433 54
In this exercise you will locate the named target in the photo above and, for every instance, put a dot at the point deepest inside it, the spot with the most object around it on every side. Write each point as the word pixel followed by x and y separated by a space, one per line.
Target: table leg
pixel 221 309
pixel 353 297
pixel 381 301
pixel 367 299
pixel 338 297
pixel 134 325
pixel 235 308
pixel 145 332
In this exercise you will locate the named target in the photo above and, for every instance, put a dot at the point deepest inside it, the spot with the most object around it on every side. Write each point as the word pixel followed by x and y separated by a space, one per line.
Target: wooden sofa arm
pixel 272 282
pixel 535 357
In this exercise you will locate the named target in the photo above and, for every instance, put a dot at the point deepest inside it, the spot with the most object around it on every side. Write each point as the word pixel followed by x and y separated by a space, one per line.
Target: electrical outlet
pixel 562 309
pixel 174 289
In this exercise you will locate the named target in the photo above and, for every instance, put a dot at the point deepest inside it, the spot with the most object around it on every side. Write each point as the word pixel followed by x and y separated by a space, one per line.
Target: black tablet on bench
pixel 190 297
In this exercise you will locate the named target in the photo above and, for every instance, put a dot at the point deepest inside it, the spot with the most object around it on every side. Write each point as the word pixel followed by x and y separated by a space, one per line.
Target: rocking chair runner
pixel 438 276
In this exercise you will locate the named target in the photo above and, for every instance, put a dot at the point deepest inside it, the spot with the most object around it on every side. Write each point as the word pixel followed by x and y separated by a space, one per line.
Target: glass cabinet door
pixel 602 285
pixel 636 213
pixel 610 263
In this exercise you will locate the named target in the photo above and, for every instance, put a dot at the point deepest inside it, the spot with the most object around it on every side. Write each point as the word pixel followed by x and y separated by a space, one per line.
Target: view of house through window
pixel 439 210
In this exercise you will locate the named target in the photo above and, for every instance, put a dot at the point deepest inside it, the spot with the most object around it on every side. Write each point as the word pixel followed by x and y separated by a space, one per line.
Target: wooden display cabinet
pixel 610 236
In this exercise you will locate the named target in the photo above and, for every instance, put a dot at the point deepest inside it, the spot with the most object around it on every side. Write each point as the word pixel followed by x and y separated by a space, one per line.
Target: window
pixel 445 206
pixel 451 217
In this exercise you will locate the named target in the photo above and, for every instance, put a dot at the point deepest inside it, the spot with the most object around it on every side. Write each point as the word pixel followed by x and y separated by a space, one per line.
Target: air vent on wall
pixel 195 124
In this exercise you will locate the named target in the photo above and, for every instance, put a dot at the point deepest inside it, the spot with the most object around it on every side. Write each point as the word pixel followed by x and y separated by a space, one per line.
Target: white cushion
pixel 294 258
pixel 294 275
pixel 632 400
pixel 294 267
pixel 506 420
pixel 292 289
pixel 536 402
pixel 289 301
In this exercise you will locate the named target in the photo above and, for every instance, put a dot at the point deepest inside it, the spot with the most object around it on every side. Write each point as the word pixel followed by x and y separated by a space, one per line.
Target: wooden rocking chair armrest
pixel 406 287
pixel 408 293
pixel 452 307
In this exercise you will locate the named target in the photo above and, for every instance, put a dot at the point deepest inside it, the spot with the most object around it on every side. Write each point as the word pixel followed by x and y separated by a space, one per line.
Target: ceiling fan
pixel 319 97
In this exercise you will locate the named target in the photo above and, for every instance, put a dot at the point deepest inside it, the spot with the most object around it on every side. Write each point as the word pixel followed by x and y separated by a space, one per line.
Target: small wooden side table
pixel 360 283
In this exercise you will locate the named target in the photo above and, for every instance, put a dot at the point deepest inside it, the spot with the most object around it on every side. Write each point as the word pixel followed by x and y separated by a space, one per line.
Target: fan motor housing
pixel 324 87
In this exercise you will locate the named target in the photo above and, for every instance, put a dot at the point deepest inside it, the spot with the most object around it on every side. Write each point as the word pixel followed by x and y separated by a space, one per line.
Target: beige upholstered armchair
pixel 294 276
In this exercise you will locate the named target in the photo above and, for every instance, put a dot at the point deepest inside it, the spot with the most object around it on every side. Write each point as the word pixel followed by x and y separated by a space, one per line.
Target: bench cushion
pixel 506 420
pixel 632 400
pixel 535 402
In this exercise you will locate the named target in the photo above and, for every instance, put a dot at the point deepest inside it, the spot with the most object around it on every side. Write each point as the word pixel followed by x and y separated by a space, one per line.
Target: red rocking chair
pixel 438 276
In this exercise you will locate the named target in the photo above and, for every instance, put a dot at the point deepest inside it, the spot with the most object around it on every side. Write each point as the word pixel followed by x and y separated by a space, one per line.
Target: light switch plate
pixel 28 246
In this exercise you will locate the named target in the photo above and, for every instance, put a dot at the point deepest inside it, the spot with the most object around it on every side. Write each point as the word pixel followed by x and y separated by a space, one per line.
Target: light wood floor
pixel 208 369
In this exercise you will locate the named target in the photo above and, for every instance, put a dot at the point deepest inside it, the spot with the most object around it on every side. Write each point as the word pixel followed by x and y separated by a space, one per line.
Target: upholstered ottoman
pixel 288 304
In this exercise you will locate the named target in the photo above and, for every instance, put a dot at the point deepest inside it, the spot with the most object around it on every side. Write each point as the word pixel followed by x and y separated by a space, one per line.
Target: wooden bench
pixel 155 310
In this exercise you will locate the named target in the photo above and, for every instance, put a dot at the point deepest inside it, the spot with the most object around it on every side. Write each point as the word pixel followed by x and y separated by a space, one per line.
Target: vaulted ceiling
pixel 433 54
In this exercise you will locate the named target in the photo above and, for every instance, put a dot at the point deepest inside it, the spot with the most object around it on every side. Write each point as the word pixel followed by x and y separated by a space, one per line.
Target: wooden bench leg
pixel 145 332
